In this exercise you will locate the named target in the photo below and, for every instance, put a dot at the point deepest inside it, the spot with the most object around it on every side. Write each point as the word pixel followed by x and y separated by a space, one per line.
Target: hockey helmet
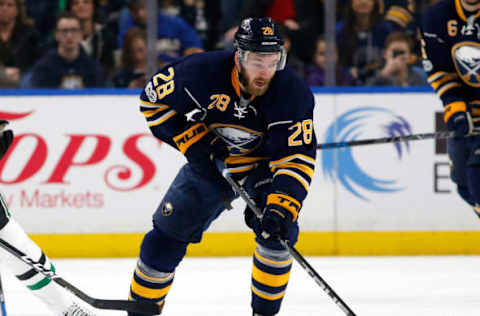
pixel 259 35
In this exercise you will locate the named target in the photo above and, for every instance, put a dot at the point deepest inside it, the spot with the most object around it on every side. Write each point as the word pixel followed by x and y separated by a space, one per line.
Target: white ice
pixel 436 285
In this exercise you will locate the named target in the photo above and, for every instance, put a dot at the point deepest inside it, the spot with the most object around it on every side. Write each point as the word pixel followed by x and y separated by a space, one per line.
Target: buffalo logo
pixel 240 140
pixel 167 209
pixel 342 164
pixel 466 56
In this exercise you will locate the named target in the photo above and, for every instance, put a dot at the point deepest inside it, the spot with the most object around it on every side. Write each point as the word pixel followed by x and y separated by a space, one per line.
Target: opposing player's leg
pixel 189 206
pixel 271 261
pixel 55 297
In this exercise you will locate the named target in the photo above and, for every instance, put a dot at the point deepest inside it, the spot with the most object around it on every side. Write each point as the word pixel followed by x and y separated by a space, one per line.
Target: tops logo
pixel 350 126
pixel 82 150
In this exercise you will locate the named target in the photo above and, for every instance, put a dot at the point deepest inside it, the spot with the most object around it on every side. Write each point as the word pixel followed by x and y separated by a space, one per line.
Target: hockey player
pixel 243 108
pixel 451 52
pixel 54 296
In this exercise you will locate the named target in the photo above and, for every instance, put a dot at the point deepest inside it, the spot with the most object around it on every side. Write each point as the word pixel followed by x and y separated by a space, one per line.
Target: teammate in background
pixel 451 50
pixel 56 298
pixel 243 108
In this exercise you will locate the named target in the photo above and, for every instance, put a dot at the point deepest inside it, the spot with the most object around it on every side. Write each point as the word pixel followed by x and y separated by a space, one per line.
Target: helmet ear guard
pixel 259 35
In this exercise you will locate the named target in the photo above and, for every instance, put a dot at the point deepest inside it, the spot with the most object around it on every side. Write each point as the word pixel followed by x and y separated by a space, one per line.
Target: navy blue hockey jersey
pixel 199 95
pixel 451 52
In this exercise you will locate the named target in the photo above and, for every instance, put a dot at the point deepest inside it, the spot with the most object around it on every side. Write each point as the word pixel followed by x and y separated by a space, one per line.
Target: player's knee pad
pixel 270 275
pixel 162 252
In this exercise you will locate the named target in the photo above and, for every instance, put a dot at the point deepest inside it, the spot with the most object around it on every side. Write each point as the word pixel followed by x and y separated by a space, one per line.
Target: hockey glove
pixel 460 123
pixel 6 138
pixel 203 153
pixel 275 221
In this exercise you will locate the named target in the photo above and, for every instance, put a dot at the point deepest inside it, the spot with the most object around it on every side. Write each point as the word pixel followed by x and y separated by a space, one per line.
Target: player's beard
pixel 249 85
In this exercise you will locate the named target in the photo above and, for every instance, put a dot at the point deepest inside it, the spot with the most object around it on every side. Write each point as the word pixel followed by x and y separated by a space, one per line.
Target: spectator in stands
pixel 396 70
pixel 19 42
pixel 303 19
pixel 44 15
pixel 67 66
pixel 292 60
pixel 175 37
pixel 98 42
pixel 134 60
pixel 360 37
pixel 315 72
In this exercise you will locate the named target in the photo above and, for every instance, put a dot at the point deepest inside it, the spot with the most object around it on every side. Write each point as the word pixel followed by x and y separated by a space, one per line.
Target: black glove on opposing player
pixel 6 138
pixel 460 123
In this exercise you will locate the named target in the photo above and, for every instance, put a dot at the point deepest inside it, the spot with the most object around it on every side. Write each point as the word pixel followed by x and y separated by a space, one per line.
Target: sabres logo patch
pixel 466 56
pixel 240 140
pixel 167 209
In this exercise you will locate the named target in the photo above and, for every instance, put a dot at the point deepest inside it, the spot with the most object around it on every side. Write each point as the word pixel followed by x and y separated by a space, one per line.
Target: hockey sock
pixel 149 284
pixel 270 275
pixel 56 298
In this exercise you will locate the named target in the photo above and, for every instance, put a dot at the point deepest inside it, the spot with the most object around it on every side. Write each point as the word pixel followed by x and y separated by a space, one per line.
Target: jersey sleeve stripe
pixel 241 169
pixel 242 160
pixel 162 118
pixel 451 77
pixel 150 113
pixel 294 175
pixel 305 169
pixel 447 87
pixel 301 157
pixel 436 76
pixel 278 123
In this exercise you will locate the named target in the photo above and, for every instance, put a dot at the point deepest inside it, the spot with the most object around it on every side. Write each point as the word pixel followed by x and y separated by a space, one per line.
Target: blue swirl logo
pixel 350 126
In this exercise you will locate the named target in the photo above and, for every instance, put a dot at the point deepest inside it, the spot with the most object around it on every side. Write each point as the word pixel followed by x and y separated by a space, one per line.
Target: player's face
pixel 258 70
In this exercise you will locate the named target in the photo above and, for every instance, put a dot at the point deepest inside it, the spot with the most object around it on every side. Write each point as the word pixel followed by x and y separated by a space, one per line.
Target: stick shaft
pixel 384 140
pixel 295 254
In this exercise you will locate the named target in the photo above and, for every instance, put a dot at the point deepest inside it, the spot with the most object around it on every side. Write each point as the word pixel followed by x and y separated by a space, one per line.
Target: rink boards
pixel 84 177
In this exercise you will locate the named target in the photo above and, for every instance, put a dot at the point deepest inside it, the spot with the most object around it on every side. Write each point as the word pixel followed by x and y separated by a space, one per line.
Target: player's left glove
pixel 275 221
pixel 461 123
pixel 6 138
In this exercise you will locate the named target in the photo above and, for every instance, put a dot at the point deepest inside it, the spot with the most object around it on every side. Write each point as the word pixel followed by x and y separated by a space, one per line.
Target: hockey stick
pixel 383 140
pixel 3 308
pixel 237 188
pixel 148 308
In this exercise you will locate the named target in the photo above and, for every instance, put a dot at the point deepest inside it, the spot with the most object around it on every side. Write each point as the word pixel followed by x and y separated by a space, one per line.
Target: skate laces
pixel 76 310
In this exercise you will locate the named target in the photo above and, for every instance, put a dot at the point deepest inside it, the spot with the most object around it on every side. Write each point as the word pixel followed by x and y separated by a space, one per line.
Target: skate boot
pixel 76 310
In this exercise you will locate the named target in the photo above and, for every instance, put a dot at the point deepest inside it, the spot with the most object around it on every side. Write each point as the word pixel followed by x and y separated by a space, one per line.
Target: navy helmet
pixel 259 35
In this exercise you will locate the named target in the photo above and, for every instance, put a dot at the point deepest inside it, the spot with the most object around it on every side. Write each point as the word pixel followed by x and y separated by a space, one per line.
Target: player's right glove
pixel 201 155
pixel 459 122
pixel 6 138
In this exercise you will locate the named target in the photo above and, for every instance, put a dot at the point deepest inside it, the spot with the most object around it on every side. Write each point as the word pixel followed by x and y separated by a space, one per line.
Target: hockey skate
pixel 76 310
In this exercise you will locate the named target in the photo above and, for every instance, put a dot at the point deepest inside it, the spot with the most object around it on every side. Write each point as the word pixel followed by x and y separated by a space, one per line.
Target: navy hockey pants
pixel 464 153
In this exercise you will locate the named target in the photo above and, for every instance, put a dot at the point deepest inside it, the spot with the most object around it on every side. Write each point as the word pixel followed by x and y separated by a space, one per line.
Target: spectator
pixel 98 42
pixel 44 14
pixel 360 37
pixel 134 60
pixel 19 42
pixel 292 60
pixel 175 36
pixel 303 19
pixel 204 16
pixel 396 70
pixel 315 72
pixel 67 66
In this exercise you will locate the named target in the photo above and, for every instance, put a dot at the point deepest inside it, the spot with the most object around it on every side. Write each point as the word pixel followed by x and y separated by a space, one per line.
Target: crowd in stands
pixel 75 44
